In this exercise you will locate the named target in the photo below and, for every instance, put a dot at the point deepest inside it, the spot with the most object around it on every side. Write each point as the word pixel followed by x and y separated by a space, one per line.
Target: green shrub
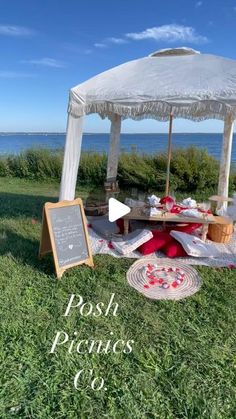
pixel 18 167
pixel 36 164
pixel 44 164
pixel 4 169
pixel 232 180
pixel 139 171
pixel 195 169
pixel 92 169
pixel 192 169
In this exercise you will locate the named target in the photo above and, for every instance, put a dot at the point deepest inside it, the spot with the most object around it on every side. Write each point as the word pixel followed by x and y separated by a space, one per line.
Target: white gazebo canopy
pixel 179 82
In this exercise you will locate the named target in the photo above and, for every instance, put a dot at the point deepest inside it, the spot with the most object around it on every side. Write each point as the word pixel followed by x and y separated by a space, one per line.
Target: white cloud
pixel 112 40
pixel 47 62
pixel 15 75
pixel 169 33
pixel 12 30
pixel 198 4
pixel 100 45
pixel 117 41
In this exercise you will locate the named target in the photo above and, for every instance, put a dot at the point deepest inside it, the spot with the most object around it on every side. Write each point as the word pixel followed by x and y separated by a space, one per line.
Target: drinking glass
pixel 206 206
pixel 141 197
pixel 169 205
pixel 172 195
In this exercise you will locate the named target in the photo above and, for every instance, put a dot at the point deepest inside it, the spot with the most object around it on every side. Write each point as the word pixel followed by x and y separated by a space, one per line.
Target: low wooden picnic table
pixel 137 213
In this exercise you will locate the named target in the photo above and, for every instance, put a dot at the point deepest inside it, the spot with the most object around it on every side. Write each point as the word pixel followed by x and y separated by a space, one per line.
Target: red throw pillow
pixel 159 240
pixel 189 228
pixel 158 233
pixel 173 249
pixel 166 199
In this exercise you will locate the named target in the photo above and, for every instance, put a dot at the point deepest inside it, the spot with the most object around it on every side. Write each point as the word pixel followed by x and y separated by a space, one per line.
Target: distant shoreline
pixel 105 133
pixel 149 143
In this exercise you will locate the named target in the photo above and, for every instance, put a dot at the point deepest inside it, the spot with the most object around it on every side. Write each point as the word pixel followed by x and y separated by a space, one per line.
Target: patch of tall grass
pixel 192 169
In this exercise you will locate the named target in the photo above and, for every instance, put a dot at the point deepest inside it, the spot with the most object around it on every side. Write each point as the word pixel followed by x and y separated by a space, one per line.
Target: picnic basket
pixel 222 231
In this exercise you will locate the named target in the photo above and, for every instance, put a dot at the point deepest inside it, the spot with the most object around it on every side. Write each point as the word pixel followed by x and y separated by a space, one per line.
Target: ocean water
pixel 143 143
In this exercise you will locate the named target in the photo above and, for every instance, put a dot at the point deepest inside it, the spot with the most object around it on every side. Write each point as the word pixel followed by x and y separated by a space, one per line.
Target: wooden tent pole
pixel 169 155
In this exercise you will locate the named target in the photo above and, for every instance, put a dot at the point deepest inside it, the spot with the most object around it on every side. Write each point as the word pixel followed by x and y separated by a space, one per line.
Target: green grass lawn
pixel 183 359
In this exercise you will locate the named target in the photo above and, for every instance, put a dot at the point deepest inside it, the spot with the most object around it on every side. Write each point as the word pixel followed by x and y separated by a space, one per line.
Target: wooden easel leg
pixel 90 264
pixel 59 272
pixel 45 241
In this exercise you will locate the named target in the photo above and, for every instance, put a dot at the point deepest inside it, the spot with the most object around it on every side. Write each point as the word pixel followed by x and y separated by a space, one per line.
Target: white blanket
pixel 227 252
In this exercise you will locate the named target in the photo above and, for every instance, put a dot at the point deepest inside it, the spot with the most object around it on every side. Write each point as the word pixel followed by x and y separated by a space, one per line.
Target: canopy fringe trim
pixel 159 110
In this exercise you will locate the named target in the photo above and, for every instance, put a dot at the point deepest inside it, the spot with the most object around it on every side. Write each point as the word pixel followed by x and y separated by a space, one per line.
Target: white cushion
pixel 132 241
pixel 194 246
pixel 192 213
pixel 152 211
pixel 190 203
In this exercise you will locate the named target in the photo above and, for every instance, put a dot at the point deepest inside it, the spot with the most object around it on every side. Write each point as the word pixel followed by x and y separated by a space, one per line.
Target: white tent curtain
pixel 223 184
pixel 113 154
pixel 72 152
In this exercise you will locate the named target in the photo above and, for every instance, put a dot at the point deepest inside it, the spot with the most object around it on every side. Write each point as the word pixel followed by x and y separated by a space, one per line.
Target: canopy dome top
pixel 174 51
pixel 180 81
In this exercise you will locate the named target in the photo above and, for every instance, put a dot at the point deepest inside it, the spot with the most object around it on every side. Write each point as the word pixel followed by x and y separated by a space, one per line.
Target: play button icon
pixel 116 210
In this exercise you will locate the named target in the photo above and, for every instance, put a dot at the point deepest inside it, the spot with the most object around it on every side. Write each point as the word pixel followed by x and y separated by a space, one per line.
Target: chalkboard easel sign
pixel 64 233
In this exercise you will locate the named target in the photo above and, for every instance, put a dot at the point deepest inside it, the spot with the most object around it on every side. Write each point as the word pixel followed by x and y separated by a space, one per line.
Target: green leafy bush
pixel 195 168
pixel 4 169
pixel 92 169
pixel 192 169
pixel 36 164
pixel 44 164
pixel 18 166
pixel 139 171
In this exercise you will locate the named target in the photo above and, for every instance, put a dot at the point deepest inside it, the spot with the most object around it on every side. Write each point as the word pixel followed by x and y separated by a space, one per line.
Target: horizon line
pixel 95 133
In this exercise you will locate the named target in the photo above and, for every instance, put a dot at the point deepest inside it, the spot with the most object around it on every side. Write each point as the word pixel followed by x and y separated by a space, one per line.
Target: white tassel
pixel 160 110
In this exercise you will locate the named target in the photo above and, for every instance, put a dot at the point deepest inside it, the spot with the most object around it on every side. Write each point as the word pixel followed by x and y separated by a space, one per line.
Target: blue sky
pixel 48 46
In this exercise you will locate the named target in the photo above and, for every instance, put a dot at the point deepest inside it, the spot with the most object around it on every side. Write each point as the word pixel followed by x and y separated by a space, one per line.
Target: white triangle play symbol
pixel 117 209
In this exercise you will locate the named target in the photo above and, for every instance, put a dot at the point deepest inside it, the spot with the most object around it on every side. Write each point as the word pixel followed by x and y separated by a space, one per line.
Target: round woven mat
pixel 162 279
